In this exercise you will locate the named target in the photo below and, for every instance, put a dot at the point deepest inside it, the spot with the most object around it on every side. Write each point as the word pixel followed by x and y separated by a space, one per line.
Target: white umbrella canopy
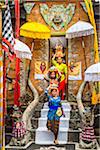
pixel 79 29
pixel 93 73
pixel 22 50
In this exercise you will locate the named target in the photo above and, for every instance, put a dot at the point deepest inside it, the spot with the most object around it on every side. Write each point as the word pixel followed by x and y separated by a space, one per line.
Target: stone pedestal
pixel 32 146
pixel 29 146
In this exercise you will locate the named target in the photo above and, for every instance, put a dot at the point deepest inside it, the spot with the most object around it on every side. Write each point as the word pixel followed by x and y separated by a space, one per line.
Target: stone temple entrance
pixel 61 42
pixel 54 41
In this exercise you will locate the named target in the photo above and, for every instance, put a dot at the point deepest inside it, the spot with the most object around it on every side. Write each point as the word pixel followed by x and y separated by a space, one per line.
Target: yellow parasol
pixel 35 30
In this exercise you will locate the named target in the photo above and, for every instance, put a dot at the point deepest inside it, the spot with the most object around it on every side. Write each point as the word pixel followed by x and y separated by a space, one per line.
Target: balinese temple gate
pixel 45 32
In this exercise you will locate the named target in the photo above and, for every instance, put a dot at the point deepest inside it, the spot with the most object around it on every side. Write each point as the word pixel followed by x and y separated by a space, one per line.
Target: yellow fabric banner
pixel 89 7
pixel 92 20
pixel 94 96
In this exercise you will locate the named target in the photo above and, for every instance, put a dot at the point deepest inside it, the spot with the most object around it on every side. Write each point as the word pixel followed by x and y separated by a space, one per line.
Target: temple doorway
pixel 58 41
pixel 59 45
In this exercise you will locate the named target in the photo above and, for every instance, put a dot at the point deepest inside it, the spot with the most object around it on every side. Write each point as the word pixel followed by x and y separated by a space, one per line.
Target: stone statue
pixel 87 137
pixel 19 131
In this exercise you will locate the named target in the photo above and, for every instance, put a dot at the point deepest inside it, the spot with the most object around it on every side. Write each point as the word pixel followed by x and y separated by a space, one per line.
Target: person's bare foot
pixel 49 130
pixel 56 141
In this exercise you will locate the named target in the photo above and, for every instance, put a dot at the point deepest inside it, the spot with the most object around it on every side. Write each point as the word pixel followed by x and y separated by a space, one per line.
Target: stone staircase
pixel 42 134
pixel 70 134
pixel 67 137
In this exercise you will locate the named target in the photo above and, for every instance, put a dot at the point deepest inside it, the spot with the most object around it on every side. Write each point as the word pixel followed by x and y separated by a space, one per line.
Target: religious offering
pixel 40 69
pixel 75 71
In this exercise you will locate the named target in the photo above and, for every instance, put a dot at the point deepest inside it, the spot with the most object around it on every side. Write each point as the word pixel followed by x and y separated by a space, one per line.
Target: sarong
pixel 53 125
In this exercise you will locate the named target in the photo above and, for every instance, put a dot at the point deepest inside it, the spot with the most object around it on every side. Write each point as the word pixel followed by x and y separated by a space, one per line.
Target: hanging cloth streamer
pixel 89 7
pixel 17 85
pixel 17 16
pixel 17 27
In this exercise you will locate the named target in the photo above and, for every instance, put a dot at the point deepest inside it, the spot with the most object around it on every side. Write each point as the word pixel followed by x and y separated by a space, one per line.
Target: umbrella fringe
pixel 79 34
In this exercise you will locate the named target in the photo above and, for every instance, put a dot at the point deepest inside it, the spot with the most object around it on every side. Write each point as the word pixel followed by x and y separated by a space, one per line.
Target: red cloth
pixel 18 129
pixel 17 28
pixel 87 134
pixel 17 84
pixel 17 16
pixel 4 90
pixel 61 89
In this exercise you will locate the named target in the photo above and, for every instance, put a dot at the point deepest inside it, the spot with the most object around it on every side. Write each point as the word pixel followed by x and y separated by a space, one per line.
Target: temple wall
pixel 40 55
pixel 41 47
pixel 36 16
pixel 77 52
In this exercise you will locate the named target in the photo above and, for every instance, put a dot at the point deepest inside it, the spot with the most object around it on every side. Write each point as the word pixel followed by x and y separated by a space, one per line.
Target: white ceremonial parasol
pixel 79 29
pixel 22 50
pixel 93 73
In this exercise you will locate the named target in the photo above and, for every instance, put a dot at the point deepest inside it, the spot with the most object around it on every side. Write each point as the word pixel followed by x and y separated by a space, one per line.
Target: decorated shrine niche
pixel 58 45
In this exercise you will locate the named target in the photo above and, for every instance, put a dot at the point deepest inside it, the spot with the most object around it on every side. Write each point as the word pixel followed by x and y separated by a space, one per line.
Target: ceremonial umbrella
pixel 79 29
pixel 35 30
pixel 22 50
pixel 93 73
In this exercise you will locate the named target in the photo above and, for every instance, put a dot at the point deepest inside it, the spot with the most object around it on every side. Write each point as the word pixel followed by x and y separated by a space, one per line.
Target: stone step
pixel 64 122
pixel 37 113
pixel 73 135
pixel 32 146
pixel 45 137
pixel 64 105
pixel 68 146
pixel 44 113
pixel 78 148
pixel 29 146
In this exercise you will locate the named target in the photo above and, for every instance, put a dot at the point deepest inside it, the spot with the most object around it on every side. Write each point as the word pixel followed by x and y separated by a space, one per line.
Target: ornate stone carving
pixel 28 7
pixel 87 137
pixel 57 16
pixel 19 130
